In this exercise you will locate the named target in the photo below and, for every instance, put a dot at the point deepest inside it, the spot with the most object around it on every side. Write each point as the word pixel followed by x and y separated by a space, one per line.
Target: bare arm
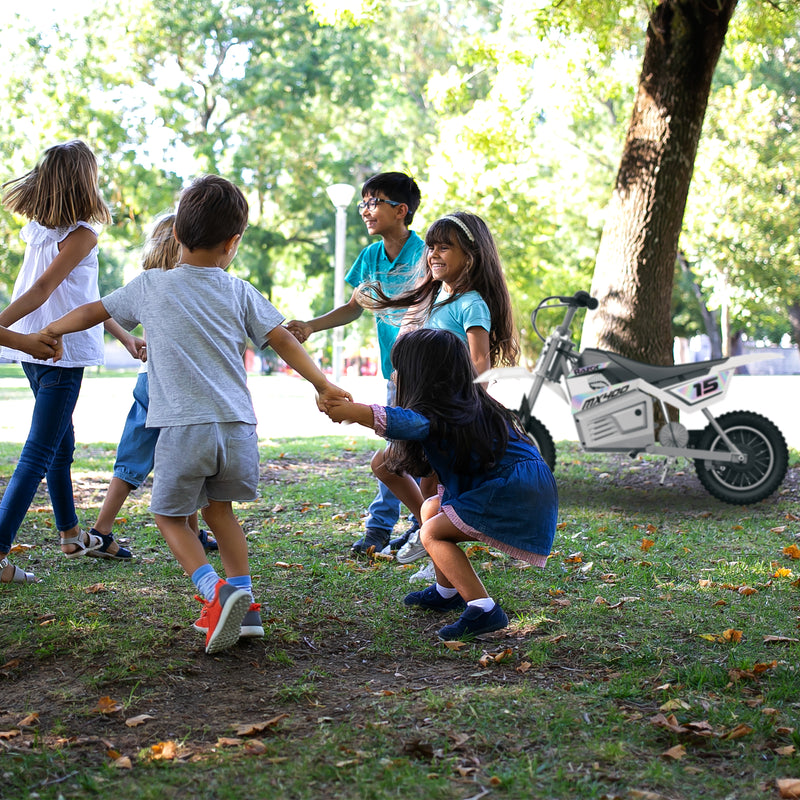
pixel 81 318
pixel 292 352
pixel 38 345
pixel 348 312
pixel 478 342
pixel 342 411
pixel 133 344
pixel 71 252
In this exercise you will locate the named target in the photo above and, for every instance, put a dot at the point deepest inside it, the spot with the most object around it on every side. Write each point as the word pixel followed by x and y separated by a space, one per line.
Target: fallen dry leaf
pixel 106 705
pixel 737 733
pixel 133 722
pixel 164 751
pixel 732 635
pixel 674 705
pixel 779 640
pixel 10 734
pixel 123 762
pixel 788 787
pixel 96 588
pixel 677 752
pixel 259 727
pixel 29 721
pixel 788 750
pixel 455 645
pixel 647 544
pixel 793 551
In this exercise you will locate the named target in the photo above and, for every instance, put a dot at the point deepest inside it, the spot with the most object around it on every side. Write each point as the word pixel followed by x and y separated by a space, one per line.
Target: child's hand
pixel 136 347
pixel 332 394
pixel 351 412
pixel 43 345
pixel 300 330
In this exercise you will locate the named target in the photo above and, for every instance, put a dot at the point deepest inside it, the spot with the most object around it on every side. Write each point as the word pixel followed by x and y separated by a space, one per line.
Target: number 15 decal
pixel 706 387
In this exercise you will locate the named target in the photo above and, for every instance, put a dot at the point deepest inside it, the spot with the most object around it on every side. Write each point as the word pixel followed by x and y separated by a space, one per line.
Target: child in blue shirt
pixel 389 202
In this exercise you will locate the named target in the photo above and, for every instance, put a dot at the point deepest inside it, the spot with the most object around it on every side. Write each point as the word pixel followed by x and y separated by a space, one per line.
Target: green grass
pixel 637 614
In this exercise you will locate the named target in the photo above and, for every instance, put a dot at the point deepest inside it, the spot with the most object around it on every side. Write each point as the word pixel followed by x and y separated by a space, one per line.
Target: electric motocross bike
pixel 740 457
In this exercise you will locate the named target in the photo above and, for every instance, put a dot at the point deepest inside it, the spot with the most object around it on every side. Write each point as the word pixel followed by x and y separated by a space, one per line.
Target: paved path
pixel 285 406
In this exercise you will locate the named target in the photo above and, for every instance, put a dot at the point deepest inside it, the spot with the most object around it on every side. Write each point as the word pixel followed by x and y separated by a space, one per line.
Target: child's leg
pixel 404 487
pixel 182 541
pixel 47 451
pixel 116 495
pixel 456 581
pixel 453 568
pixel 429 486
pixel 229 536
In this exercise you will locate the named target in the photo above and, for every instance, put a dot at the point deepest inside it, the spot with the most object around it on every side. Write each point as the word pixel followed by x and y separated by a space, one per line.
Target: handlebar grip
pixel 585 300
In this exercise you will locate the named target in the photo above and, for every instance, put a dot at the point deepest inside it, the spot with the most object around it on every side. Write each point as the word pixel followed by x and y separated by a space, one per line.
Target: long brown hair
pixel 61 189
pixel 436 378
pixel 483 274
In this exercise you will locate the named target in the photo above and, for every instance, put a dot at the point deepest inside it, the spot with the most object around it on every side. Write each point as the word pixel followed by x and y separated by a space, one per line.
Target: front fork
pixel 549 367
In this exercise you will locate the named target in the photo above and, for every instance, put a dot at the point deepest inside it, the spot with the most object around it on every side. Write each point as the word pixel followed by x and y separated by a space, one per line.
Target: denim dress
pixel 513 506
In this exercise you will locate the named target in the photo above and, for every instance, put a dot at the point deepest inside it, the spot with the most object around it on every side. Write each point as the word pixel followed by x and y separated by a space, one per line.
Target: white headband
pixel 461 225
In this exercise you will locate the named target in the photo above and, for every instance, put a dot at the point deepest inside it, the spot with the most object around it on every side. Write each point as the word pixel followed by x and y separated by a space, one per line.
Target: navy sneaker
pixel 474 622
pixel 431 599
pixel 373 537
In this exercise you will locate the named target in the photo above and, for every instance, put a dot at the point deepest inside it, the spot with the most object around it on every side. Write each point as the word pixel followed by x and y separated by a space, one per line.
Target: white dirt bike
pixel 740 457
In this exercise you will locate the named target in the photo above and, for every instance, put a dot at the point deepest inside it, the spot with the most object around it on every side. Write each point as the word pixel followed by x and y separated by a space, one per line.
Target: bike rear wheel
pixel 767 458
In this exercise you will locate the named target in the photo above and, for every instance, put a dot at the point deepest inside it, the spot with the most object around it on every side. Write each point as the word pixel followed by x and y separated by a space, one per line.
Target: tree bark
pixel 794 321
pixel 636 258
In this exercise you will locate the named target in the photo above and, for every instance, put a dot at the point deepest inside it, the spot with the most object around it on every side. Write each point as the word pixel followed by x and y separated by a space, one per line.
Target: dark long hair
pixel 483 274
pixel 435 377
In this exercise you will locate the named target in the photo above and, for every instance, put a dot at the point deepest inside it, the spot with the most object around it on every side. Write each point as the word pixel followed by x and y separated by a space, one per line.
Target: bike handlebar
pixel 581 299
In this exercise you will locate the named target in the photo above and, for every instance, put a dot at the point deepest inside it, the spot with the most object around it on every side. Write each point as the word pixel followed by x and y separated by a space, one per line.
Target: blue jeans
pixel 384 510
pixel 46 453
pixel 137 445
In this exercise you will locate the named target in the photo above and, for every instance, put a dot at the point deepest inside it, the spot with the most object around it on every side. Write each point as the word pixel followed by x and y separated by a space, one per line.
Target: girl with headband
pixel 463 290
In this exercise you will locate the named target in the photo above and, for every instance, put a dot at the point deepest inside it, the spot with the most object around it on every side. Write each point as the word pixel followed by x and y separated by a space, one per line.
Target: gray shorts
pixel 208 461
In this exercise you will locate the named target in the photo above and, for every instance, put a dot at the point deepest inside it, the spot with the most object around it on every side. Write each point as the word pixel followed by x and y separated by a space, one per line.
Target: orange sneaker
pixel 252 627
pixel 224 616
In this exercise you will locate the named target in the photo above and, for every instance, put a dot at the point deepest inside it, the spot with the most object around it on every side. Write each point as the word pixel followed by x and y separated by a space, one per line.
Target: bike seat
pixel 623 369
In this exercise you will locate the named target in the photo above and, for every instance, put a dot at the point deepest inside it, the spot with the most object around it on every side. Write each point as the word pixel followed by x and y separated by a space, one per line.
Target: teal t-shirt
pixel 468 310
pixel 393 277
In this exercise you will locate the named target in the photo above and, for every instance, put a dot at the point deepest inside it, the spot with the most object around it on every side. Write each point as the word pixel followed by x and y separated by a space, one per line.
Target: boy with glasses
pixel 389 202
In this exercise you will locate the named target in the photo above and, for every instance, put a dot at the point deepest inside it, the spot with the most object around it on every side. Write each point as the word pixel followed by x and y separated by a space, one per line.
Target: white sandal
pixel 92 543
pixel 13 574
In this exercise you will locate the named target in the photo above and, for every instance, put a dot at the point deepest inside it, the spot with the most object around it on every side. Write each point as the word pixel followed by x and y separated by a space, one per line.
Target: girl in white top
pixel 61 198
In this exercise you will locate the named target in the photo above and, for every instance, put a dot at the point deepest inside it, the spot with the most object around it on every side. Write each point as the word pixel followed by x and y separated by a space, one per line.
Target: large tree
pixel 636 260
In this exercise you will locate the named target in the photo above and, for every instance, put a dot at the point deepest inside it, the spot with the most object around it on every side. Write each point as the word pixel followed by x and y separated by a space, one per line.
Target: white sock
pixel 445 592
pixel 483 603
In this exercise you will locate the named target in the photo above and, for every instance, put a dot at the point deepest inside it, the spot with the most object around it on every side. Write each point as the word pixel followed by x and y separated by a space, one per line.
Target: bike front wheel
pixel 541 437
pixel 767 458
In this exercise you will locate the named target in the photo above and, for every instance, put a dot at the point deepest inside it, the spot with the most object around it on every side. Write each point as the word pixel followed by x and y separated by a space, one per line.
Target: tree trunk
pixel 636 258
pixel 710 318
pixel 794 321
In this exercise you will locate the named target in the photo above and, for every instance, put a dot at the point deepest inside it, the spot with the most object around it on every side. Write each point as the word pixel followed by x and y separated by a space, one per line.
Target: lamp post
pixel 340 194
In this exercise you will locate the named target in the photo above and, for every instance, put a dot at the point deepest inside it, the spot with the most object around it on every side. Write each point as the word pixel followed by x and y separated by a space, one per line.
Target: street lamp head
pixel 341 194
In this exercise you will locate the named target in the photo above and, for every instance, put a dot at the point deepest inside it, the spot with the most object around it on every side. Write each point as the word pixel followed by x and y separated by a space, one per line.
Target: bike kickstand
pixel 667 463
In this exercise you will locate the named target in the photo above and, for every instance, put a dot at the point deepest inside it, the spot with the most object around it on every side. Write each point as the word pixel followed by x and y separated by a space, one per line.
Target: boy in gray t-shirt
pixel 198 320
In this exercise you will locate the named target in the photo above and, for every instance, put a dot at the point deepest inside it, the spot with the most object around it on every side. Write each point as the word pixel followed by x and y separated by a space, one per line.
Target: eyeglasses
pixel 372 203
